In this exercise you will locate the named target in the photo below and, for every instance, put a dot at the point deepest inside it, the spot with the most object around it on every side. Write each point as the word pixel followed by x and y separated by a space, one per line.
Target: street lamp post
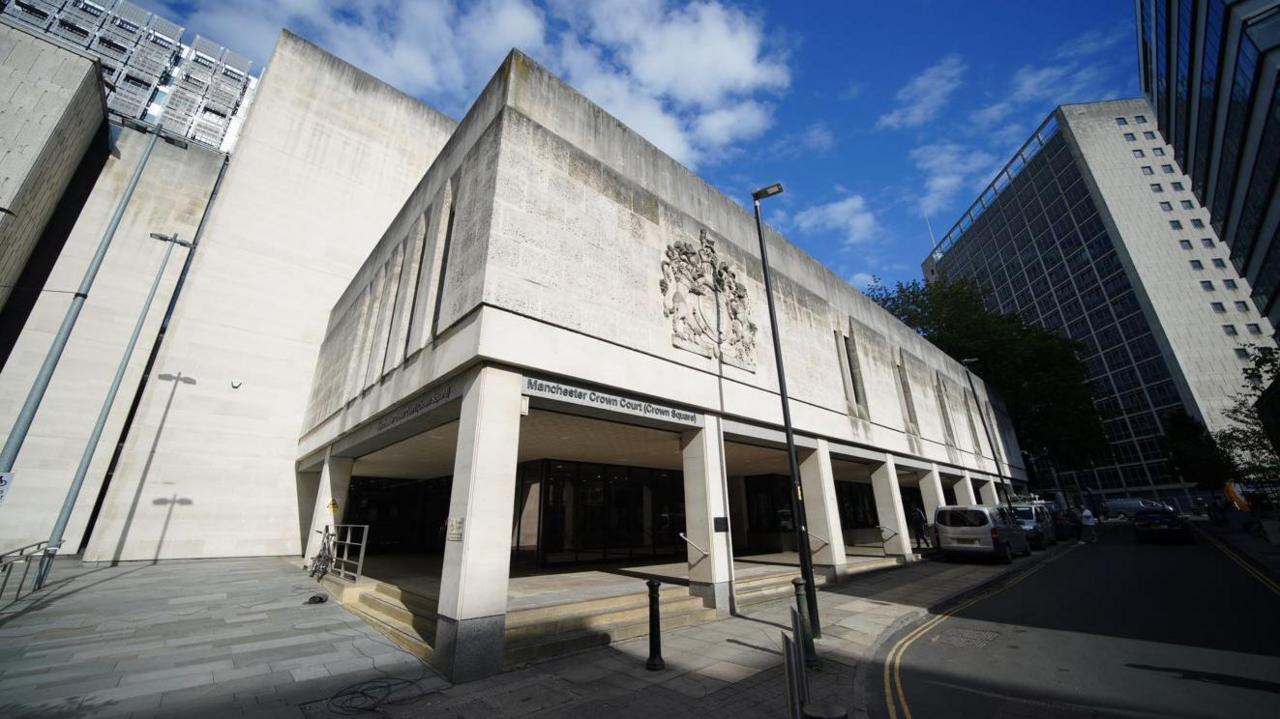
pixel 73 492
pixel 995 452
pixel 799 519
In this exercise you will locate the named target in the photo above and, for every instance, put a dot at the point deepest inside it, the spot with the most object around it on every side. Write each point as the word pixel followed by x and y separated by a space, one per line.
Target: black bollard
pixel 655 662
pixel 802 606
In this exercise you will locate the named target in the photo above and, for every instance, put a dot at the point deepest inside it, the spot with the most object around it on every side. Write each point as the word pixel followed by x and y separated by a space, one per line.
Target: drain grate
pixel 969 638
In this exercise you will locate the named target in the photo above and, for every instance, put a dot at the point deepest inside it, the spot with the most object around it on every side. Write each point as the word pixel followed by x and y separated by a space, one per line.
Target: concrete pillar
pixel 990 493
pixel 931 491
pixel 335 482
pixel 477 552
pixel 818 483
pixel 964 491
pixel 708 550
pixel 884 483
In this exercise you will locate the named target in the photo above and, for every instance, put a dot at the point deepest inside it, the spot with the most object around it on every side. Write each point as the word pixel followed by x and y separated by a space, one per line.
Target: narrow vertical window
pixel 444 271
pixel 904 398
pixel 945 410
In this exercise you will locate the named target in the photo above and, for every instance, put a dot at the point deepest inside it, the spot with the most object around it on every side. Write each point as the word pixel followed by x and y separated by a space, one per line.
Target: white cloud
pixel 1049 85
pixel 924 96
pixel 862 280
pixel 692 79
pixel 849 216
pixel 948 169
pixel 1095 41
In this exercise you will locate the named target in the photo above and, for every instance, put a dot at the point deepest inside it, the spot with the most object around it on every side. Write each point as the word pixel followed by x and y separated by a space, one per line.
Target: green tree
pixel 1244 441
pixel 1035 371
pixel 1194 452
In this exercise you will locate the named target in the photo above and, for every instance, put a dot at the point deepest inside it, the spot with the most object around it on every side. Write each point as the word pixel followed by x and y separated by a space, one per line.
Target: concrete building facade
pixel 557 354
pixel 1092 231
pixel 1211 70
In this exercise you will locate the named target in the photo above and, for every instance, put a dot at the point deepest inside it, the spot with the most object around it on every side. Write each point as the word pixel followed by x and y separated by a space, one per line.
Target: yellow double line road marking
pixel 893 688
pixel 1253 571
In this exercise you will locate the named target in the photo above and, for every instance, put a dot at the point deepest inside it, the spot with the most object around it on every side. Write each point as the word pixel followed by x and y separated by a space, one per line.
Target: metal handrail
pixel 705 553
pixel 346 552
pixel 16 556
pixel 892 533
pixel 825 542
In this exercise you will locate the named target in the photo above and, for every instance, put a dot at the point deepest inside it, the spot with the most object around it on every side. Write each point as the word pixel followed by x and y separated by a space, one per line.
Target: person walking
pixel 1089 532
pixel 921 523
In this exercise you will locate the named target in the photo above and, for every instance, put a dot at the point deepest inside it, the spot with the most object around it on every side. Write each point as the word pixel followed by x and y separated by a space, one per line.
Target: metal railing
pixel 690 542
pixel 23 556
pixel 341 551
pixel 825 542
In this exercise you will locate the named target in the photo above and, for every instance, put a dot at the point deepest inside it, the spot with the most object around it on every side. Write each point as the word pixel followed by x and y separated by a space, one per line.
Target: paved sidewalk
pixel 225 638
pixel 1258 551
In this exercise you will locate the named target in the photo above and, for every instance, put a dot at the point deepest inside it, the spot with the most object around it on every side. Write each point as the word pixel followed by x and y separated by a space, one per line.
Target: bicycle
pixel 322 563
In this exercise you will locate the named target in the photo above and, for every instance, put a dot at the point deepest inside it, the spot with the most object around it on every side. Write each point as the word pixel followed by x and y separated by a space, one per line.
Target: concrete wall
pixel 52 107
pixel 1199 353
pixel 326 158
pixel 171 197
pixel 563 217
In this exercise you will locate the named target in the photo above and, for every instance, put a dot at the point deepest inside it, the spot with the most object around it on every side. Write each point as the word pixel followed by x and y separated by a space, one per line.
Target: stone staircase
pixel 769 587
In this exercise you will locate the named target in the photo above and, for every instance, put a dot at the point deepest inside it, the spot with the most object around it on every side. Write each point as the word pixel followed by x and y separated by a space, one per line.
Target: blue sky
pixel 875 115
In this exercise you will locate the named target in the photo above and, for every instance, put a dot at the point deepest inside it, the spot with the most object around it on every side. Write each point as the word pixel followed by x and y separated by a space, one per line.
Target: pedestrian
pixel 1073 518
pixel 1088 523
pixel 921 523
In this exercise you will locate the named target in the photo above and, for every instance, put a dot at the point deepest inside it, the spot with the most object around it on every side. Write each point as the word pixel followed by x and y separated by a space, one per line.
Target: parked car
pixel 978 531
pixel 1127 507
pixel 1161 523
pixel 1037 522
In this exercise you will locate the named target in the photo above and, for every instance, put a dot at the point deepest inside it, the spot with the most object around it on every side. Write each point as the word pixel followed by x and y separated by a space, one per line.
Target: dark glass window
pixel 1155 187
pixel 1121 121
pixel 1197 265
pixel 1167 169
pixel 1176 186
pixel 1139 153
pixel 1218 307
pixel 1206 285
pixel 1174 224
pixel 1237 118
pixel 1130 137
pixel 1242 306
pixel 1214 34
pixel 1185 244
pixel 1254 329
pixel 1166 206
pixel 1266 172
pixel 1187 205
pixel 1148 135
pixel 1229 330
pixel 1219 263
pixel 1140 119
pixel 1206 242
pixel 1197 223
pixel 1158 152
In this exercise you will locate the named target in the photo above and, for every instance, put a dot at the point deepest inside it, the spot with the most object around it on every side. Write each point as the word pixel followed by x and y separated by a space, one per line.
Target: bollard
pixel 824 711
pixel 655 662
pixel 802 605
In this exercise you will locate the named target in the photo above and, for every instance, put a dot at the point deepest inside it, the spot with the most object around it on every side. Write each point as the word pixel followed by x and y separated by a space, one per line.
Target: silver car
pixel 1036 520
pixel 979 530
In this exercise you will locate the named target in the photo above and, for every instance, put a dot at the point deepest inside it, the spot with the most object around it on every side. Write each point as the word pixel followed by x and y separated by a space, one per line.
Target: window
pixel 855 390
pixel 1229 330
pixel 1148 135
pixel 1155 187
pixel 1140 119
pixel 1206 242
pixel 1219 263
pixel 1198 224
pixel 1254 329
pixel 1185 244
pixel 1167 169
pixel 1242 353
pixel 1206 285
pixel 1130 137
pixel 1146 170
pixel 1139 153
pixel 1197 265
pixel 1218 307
pixel 1187 205
pixel 1167 207
pixel 1157 151
pixel 1176 186
pixel 1121 121
pixel 1229 284
pixel 1175 225
pixel 1242 306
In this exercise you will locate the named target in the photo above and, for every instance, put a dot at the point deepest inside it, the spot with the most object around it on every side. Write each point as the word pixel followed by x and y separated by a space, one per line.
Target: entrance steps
pixel 767 588
pixel 406 618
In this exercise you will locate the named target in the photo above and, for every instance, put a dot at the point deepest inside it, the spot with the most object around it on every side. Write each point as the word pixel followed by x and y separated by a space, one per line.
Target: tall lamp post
pixel 73 492
pixel 995 453
pixel 800 521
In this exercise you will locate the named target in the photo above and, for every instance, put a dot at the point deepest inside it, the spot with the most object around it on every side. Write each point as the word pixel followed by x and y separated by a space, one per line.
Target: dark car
pixel 1160 523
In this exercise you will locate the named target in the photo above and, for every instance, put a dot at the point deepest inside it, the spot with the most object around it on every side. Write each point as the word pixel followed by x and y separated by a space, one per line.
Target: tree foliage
pixel 1244 441
pixel 1195 454
pixel 1035 371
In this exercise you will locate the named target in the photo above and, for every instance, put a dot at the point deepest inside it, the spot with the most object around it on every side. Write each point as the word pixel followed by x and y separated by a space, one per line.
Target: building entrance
pixel 406 516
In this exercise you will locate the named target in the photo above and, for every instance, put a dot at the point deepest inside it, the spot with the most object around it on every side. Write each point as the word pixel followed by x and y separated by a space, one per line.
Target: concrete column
pixel 964 491
pixel 703 502
pixel 477 552
pixel 884 483
pixel 818 483
pixel 335 482
pixel 931 491
pixel 990 493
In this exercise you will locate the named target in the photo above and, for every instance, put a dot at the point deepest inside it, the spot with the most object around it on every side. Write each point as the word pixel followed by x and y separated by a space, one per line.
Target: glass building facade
pixel 1209 70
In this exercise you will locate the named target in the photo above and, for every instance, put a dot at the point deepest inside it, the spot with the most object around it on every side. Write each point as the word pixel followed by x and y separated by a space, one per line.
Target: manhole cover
pixel 970 638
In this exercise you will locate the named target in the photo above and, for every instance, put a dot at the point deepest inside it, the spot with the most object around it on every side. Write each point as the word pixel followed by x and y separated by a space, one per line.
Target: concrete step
pixel 543 646
pixel 409 637
pixel 576 620
pixel 520 617
pixel 415 615
pixel 767 588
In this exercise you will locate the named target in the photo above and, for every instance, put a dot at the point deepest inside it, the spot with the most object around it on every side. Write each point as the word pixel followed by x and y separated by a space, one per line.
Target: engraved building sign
pixel 707 303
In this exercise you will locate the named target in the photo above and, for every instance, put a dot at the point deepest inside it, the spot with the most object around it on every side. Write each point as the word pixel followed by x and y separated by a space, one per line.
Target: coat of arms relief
pixel 708 305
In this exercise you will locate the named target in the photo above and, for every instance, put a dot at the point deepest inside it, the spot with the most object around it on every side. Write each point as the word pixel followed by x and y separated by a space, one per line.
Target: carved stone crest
pixel 708 305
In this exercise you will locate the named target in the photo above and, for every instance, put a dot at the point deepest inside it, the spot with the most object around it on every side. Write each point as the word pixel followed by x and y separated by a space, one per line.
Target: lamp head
pixel 767 191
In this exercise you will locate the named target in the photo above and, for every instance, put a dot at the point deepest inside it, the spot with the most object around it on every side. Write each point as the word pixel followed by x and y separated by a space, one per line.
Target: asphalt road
pixel 1108 629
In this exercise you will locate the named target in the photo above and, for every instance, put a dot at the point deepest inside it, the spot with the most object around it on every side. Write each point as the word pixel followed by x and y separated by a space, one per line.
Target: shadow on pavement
pixel 1229 680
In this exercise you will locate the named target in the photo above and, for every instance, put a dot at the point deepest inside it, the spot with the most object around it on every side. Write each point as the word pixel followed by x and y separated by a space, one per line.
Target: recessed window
pixel 1187 205
pixel 1155 187
pixel 1219 263
pixel 1176 186
pixel 1167 169
pixel 1206 242
pixel 1185 244
pixel 1197 265
pixel 1229 330
pixel 1146 170
pixel 1157 151
pixel 1148 135
pixel 1175 225
pixel 1254 329
pixel 1121 121
pixel 1242 306
pixel 1198 224
pixel 1218 307
pixel 1140 119
pixel 1242 353
pixel 1167 207
pixel 1139 153
pixel 1206 285
pixel 1229 284
pixel 1130 136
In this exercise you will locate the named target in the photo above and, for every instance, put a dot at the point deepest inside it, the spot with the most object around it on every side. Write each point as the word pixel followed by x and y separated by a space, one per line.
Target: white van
pixel 979 530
